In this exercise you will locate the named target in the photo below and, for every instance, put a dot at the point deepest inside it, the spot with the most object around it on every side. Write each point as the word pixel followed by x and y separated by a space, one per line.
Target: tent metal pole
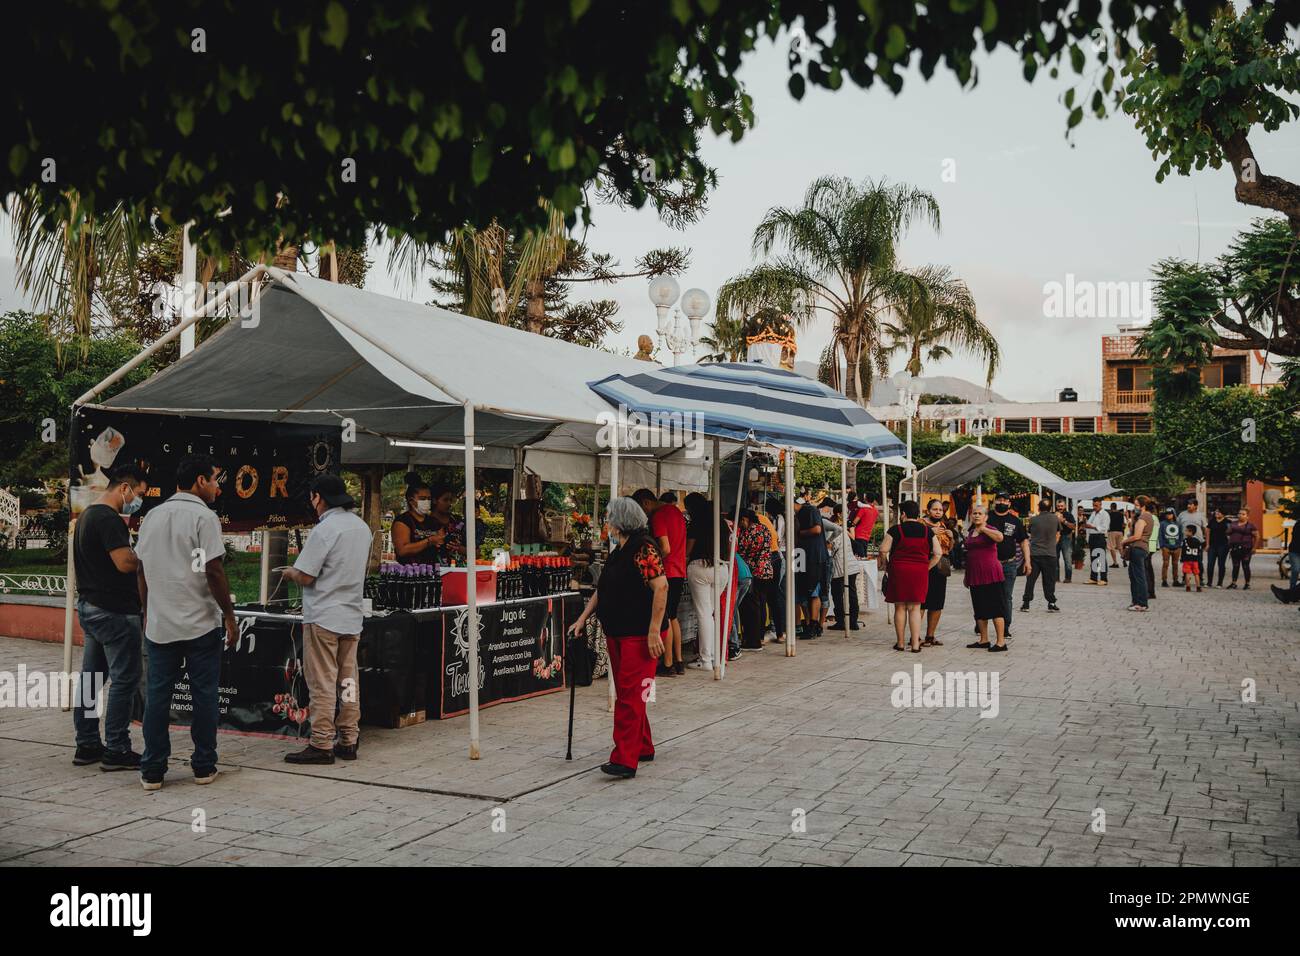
pixel 734 537
pixel 842 613
pixel 471 581
pixel 613 493
pixel 884 496
pixel 145 354
pixel 189 288
pixel 718 622
pixel 789 554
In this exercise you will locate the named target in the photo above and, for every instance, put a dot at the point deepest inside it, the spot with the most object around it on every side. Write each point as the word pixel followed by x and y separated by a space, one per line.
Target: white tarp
pixel 322 352
pixel 969 462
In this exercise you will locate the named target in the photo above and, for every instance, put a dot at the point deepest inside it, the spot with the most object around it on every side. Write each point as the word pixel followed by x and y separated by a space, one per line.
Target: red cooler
pixel 453 585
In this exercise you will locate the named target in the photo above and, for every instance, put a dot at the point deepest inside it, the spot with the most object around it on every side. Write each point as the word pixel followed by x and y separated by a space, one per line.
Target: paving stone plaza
pixel 1118 739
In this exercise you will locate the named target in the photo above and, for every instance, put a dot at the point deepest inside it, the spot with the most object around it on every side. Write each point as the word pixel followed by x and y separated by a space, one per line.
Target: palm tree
pixel 839 258
pixel 64 265
pixel 935 316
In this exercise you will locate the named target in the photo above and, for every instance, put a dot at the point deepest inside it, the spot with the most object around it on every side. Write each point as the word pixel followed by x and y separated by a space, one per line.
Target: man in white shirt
pixel 1098 527
pixel 331 571
pixel 181 553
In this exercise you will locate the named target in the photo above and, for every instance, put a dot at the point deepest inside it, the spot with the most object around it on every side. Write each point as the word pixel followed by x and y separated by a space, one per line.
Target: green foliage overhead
pixel 1248 299
pixel 38 381
pixel 1233 77
pixel 455 112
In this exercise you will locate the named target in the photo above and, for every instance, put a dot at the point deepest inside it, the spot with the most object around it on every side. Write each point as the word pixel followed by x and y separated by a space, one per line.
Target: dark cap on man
pixel 332 491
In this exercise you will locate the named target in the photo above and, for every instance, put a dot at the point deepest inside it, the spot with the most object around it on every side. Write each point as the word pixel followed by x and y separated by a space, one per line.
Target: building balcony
pixel 1135 398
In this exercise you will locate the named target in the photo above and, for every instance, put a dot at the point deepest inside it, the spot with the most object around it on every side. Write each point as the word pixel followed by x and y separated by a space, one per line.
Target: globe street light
pixel 663 293
pixel 695 303
pixel 674 334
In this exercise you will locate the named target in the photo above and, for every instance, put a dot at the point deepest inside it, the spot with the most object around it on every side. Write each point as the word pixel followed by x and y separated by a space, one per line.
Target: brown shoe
pixel 345 751
pixel 310 755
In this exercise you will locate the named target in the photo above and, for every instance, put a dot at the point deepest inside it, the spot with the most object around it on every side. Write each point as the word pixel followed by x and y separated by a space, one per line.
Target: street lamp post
pixel 910 401
pixel 676 335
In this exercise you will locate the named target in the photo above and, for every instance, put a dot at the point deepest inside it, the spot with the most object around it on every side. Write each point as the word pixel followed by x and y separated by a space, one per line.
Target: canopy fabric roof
pixel 756 402
pixel 319 352
pixel 969 462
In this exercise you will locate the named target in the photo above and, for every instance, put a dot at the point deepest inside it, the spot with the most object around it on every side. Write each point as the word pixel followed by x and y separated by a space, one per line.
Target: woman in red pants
pixel 629 602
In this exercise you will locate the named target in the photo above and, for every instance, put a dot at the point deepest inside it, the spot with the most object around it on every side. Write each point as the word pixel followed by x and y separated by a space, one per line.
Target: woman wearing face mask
pixel 452 549
pixel 416 537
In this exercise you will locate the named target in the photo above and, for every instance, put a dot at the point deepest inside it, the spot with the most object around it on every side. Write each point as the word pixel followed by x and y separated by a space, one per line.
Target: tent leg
pixel 735 534
pixel 884 496
pixel 613 493
pixel 471 584
pixel 69 684
pixel 790 616
pixel 842 613
pixel 719 625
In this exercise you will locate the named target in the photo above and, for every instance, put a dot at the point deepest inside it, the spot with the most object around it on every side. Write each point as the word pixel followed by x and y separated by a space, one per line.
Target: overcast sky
pixel 1027 207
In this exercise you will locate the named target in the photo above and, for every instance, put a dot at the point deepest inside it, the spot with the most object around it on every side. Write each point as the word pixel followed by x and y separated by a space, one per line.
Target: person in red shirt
pixel 863 522
pixel 668 528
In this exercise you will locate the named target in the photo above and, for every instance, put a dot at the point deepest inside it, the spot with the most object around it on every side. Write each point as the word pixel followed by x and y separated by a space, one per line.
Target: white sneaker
pixel 204 781
pixel 701 665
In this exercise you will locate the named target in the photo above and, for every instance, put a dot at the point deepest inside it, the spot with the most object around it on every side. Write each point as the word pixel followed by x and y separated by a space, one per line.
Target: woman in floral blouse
pixel 754 544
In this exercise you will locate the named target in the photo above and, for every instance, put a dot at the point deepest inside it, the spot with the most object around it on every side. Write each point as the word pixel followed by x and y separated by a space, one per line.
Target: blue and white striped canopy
pixel 754 402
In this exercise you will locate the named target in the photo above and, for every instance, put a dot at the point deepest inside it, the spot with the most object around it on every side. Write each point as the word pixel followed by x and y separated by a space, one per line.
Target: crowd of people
pixel 662 552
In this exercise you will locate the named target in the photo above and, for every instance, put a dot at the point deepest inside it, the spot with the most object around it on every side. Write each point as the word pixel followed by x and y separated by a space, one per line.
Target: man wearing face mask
pixel 108 605
pixel 331 571
pixel 1013 549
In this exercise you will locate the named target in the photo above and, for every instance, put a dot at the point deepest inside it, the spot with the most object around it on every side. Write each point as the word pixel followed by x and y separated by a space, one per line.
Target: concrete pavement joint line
pixel 82 836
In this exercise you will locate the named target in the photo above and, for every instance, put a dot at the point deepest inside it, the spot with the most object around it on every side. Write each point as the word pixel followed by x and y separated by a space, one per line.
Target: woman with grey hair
pixel 629 602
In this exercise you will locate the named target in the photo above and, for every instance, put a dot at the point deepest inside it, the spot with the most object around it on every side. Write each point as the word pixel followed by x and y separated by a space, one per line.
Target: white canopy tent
pixel 970 462
pixel 421 385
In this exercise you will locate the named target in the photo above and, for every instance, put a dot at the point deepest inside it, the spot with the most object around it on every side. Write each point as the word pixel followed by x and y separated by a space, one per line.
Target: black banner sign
pixel 521 652
pixel 266 467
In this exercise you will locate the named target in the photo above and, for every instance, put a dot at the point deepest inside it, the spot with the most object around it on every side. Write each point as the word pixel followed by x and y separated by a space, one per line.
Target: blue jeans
pixel 1065 553
pixel 200 661
pixel 112 649
pixel 1294 561
pixel 1137 575
pixel 1009 571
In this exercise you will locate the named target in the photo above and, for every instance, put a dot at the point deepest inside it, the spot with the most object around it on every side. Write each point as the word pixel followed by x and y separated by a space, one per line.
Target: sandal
pixel 928 642
pixel 936 643
pixel 916 650
pixel 899 647
pixel 978 644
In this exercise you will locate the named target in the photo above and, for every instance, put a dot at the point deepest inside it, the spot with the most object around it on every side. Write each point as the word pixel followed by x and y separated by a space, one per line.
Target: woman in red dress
pixel 908 552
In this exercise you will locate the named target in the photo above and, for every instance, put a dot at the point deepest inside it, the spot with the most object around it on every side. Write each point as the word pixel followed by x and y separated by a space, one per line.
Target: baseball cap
pixel 333 491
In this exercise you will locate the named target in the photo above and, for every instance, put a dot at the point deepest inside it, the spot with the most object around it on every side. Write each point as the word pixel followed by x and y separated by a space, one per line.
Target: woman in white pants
pixel 701 574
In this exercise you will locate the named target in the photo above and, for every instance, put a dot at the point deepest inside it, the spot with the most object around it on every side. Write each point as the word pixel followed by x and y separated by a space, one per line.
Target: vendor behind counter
pixel 427 532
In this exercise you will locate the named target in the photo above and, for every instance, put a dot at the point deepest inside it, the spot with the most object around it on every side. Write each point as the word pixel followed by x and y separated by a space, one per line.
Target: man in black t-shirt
pixel 108 605
pixel 1065 544
pixel 1013 549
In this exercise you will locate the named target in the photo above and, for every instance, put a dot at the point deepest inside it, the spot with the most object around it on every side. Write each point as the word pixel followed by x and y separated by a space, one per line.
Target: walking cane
pixel 573 688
